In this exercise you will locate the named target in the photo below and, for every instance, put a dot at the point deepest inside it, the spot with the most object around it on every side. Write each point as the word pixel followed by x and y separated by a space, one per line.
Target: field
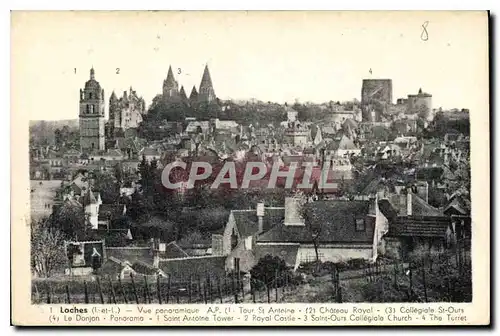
pixel 42 197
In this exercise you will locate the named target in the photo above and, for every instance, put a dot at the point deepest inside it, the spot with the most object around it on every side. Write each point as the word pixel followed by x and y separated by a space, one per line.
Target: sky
pixel 270 56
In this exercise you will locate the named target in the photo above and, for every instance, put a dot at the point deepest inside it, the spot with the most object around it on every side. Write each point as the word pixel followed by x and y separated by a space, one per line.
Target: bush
pixel 266 270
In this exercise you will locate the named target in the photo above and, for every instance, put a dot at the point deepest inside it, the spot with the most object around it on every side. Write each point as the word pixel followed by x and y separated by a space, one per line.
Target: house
pixel 240 234
pixel 72 155
pixel 340 229
pixel 84 256
pixel 116 269
pixel 150 153
pixel 342 147
pixel 91 202
pixel 109 213
pixel 413 222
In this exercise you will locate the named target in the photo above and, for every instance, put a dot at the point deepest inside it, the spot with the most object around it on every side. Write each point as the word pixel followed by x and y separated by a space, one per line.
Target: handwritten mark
pixel 425 35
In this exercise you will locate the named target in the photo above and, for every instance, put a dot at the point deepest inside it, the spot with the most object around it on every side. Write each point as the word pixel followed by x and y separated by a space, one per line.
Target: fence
pixel 163 290
pixel 445 278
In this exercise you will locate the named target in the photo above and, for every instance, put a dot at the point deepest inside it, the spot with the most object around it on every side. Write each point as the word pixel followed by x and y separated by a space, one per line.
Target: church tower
pixel 206 93
pixel 193 97
pixel 170 87
pixel 92 115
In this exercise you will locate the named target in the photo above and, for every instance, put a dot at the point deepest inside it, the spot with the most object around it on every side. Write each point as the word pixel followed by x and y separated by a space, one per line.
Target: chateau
pixel 125 112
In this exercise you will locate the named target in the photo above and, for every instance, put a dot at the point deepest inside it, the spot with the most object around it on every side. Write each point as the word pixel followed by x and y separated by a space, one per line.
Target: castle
pixel 124 112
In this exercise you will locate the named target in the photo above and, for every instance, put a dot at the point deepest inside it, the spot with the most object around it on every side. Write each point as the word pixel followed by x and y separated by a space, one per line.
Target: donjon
pixel 92 115
pixel 376 97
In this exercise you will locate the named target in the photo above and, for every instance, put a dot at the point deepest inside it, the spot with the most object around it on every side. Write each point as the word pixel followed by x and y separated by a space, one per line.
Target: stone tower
pixel 170 86
pixel 92 115
pixel 206 93
pixel 183 95
pixel 193 97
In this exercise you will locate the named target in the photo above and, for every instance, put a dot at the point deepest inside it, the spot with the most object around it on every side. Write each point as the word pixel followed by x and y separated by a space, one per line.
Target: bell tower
pixel 92 115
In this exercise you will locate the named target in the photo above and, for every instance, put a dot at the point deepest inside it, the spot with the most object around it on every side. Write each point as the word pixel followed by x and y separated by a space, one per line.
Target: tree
pixel 47 249
pixel 108 187
pixel 118 170
pixel 312 220
pixel 70 220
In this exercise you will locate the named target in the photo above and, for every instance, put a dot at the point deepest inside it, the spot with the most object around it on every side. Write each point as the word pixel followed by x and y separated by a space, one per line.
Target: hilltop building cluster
pixel 395 190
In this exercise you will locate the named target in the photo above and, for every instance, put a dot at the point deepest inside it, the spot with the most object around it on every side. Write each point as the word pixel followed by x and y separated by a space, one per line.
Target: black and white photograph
pixel 253 158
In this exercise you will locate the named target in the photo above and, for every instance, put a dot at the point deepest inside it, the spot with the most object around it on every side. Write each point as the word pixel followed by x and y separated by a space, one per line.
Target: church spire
pixel 92 73
pixel 194 94
pixel 170 81
pixel 182 93
pixel 206 94
pixel 206 80
pixel 170 86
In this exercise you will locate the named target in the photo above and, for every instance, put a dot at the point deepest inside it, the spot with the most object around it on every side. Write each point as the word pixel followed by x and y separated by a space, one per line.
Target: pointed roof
pixel 170 81
pixel 89 198
pixel 113 96
pixel 194 93
pixel 206 80
pixel 183 93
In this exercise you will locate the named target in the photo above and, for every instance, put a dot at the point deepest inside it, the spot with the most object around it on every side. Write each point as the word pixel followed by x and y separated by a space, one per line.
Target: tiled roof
pixel 89 198
pixel 157 222
pixel 419 226
pixel 429 173
pixel 144 268
pixel 344 143
pixel 335 219
pixel 419 206
pixel 172 250
pixel 111 266
pixel 194 266
pixel 130 254
pixel 110 211
pixel 459 205
pixel 285 252
pixel 147 151
pixel 247 221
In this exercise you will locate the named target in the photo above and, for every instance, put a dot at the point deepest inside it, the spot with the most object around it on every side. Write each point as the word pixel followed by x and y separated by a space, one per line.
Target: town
pixel 392 224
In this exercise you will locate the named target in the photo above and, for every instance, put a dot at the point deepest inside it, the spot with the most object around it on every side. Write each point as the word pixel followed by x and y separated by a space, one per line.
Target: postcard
pixel 250 168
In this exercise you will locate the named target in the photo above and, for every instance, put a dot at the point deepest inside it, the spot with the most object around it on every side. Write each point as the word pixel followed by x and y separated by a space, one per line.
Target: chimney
pixel 409 207
pixel 154 243
pixel 260 216
pixel 293 217
pixel 423 190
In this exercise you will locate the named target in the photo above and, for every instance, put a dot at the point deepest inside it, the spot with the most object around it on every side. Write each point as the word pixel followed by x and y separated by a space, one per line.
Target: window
pixel 90 95
pixel 234 239
pixel 360 224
